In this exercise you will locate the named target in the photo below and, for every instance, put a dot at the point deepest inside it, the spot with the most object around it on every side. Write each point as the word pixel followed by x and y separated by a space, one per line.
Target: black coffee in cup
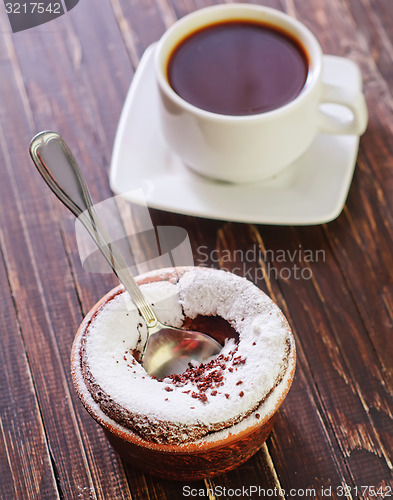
pixel 238 68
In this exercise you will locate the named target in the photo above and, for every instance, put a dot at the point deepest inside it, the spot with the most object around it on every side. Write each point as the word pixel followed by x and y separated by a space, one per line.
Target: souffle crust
pixel 206 398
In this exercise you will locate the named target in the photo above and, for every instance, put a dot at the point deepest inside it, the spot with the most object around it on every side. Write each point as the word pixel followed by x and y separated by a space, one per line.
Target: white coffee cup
pixel 253 147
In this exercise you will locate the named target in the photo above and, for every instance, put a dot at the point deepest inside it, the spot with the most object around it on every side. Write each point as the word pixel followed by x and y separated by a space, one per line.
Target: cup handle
pixel 351 98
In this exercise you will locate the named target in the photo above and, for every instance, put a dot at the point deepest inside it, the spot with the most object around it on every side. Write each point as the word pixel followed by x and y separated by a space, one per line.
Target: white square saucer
pixel 312 190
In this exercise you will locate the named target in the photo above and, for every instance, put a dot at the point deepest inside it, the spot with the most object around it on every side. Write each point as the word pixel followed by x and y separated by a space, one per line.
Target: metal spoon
pixel 167 350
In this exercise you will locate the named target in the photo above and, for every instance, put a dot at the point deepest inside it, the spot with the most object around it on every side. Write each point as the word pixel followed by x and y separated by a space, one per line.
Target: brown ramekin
pixel 187 461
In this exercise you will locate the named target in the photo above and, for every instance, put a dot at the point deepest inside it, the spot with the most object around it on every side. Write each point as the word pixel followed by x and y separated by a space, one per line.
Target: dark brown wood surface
pixel 335 429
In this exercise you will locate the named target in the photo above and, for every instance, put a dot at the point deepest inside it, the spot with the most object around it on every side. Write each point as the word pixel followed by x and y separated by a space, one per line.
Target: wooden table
pixel 335 428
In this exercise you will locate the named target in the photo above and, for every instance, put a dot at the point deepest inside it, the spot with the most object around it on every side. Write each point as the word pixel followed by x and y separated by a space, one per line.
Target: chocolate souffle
pixel 234 389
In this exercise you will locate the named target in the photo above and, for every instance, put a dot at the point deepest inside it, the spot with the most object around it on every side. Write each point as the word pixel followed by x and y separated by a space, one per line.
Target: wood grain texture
pixel 25 464
pixel 372 191
pixel 333 340
pixel 336 426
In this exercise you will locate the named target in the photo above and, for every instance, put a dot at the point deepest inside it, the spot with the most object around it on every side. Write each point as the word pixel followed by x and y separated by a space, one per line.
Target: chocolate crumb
pixel 205 376
pixel 257 415
pixel 240 382
pixel 169 389
pixel 254 343
pixel 166 399
pixel 238 360
pixel 226 395
pixel 125 358
pixel 213 393
pixel 199 395
pixel 241 394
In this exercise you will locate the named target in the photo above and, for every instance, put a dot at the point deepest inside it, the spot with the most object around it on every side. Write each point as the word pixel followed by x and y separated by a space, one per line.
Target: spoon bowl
pixel 167 350
pixel 172 351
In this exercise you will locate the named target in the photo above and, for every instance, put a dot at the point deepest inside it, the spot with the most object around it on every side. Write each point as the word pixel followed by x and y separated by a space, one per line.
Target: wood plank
pixel 362 238
pixel 374 183
pixel 345 369
pixel 374 24
pixel 141 24
pixel 25 464
pixel 367 240
pixel 258 471
pixel 370 201
pixel 147 487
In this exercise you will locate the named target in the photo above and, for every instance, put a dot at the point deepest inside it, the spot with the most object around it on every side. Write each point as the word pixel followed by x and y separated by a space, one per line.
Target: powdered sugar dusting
pixel 206 398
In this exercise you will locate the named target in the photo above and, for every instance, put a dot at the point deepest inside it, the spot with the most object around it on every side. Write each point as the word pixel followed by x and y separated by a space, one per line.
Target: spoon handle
pixel 58 167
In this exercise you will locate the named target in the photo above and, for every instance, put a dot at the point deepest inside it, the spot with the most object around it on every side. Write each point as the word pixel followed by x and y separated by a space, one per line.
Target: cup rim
pixel 127 434
pixel 235 11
